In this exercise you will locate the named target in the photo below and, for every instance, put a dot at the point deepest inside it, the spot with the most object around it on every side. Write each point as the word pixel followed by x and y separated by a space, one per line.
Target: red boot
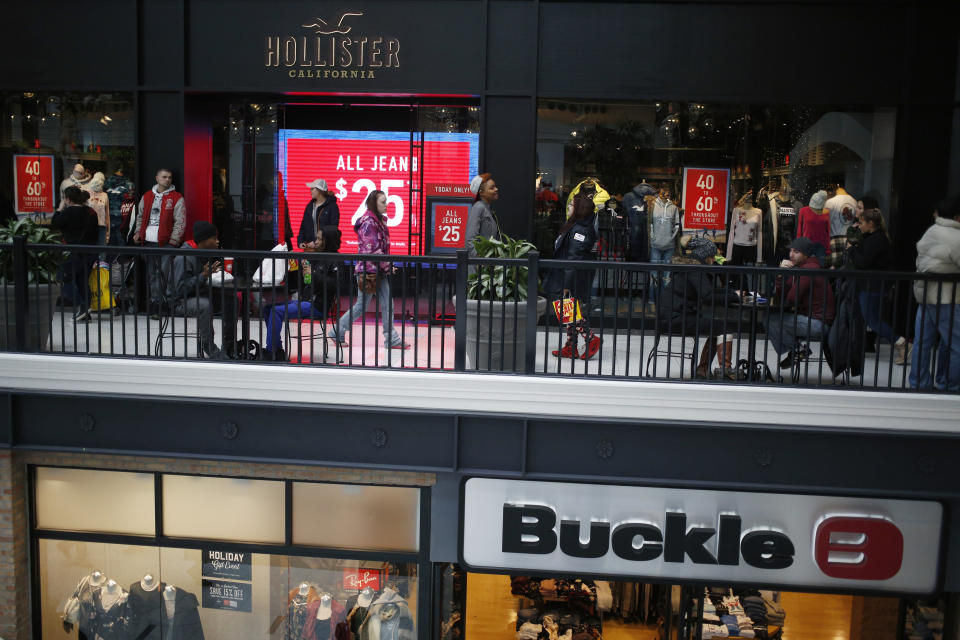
pixel 569 350
pixel 593 346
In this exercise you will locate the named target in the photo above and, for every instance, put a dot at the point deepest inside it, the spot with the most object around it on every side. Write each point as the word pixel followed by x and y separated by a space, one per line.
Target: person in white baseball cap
pixel 482 221
pixel 322 210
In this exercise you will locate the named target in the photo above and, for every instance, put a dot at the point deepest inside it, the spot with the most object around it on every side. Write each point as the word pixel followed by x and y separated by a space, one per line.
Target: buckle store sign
pixel 722 536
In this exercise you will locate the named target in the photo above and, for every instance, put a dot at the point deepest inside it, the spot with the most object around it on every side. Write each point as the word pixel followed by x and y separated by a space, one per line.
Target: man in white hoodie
pixel 938 315
pixel 161 220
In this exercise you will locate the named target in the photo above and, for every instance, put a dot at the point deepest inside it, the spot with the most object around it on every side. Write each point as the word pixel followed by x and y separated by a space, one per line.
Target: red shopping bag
pixel 567 310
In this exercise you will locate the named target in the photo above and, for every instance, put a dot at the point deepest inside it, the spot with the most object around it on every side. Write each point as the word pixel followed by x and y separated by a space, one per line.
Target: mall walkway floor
pixel 624 353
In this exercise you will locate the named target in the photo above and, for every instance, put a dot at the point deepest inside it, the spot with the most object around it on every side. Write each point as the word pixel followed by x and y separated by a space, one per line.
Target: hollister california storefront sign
pixel 722 536
pixel 337 45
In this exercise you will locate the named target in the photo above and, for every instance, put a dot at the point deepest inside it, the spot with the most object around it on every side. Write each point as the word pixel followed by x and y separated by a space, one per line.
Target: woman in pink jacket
pixel 373 238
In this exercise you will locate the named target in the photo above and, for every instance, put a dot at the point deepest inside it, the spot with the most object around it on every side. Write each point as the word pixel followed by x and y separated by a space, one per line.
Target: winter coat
pixel 938 251
pixel 481 221
pixel 327 214
pixel 635 207
pixel 844 348
pixel 388 619
pixel 373 237
pixel 664 224
pixel 872 253
pixel 818 303
pixel 185 624
pixel 697 302
pixel 576 243
pixel 600 197
pixel 77 224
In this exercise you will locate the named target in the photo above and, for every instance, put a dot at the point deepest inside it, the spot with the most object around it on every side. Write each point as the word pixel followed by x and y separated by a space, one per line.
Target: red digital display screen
pixel 354 163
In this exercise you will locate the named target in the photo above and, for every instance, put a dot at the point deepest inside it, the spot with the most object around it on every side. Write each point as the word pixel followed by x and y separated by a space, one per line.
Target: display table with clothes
pixel 732 613
pixel 562 608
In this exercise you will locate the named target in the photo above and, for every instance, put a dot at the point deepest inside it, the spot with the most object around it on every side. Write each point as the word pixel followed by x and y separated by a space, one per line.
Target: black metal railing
pixel 752 325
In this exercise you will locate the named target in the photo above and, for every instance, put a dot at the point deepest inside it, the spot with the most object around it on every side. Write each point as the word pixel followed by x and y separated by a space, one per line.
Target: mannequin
pixel 119 189
pixel 745 240
pixel 170 600
pixel 297 603
pixel 365 598
pixel 149 583
pixel 78 178
pixel 100 202
pixel 145 608
pixel 79 608
pixel 110 622
pixel 324 611
pixel 110 594
pixel 389 619
pixel 323 615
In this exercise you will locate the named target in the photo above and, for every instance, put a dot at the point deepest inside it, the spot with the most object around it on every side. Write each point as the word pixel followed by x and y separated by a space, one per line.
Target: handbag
pixel 567 310
pixel 368 282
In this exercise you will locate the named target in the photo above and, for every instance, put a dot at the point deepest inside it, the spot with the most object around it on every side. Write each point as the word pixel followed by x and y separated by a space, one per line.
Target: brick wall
pixel 14 568
pixel 14 526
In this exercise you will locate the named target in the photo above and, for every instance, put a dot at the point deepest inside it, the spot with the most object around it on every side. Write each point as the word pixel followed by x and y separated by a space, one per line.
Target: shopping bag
pixel 567 310
pixel 100 296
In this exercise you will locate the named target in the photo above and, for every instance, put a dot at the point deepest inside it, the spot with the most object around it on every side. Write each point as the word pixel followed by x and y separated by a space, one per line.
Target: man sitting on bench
pixel 811 298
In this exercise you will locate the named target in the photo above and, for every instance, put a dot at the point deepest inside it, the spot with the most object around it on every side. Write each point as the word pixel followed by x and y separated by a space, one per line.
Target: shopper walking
pixel 78 224
pixel 873 253
pixel 373 277
pixel 576 241
pixel 482 221
pixel 937 325
pixel 161 221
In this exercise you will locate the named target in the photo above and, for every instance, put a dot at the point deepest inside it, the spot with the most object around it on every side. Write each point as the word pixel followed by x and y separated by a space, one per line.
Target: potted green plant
pixel 42 285
pixel 496 307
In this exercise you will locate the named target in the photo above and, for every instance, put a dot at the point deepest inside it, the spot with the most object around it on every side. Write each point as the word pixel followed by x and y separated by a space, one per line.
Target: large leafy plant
pixel 42 266
pixel 499 282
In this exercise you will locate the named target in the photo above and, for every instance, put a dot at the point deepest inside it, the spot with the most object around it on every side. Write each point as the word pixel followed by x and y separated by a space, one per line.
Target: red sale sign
pixel 355 163
pixel 450 225
pixel 705 198
pixel 357 579
pixel 33 184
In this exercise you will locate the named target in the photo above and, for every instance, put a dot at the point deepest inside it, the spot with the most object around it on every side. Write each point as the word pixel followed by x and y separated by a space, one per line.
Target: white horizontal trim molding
pixel 524 396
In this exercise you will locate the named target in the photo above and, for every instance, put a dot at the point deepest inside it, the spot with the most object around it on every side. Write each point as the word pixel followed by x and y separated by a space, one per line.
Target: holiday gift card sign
pixel 723 537
pixel 226 563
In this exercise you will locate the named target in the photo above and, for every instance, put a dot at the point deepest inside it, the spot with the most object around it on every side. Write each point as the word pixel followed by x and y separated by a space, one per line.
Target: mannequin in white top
pixel 100 202
pixel 324 611
pixel 365 598
pixel 745 242
pixel 78 178
pixel 110 594
pixel 170 600
pixel 149 583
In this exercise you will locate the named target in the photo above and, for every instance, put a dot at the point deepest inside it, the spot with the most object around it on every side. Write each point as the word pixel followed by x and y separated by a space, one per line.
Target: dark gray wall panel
pixel 161 136
pixel 65 45
pixel 161 42
pixel 507 145
pixel 491 444
pixel 512 46
pixel 761 53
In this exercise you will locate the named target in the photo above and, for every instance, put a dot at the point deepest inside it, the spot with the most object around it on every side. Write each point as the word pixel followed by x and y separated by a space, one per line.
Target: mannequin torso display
pixel 78 178
pixel 388 619
pixel 111 612
pixel 149 583
pixel 180 615
pixel 80 608
pixel 170 600
pixel 145 604
pixel 745 231
pixel 297 603
pixel 323 615
pixel 110 594
pixel 100 202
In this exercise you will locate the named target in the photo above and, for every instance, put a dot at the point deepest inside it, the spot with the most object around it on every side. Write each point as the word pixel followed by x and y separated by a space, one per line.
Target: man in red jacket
pixel 811 298
pixel 161 220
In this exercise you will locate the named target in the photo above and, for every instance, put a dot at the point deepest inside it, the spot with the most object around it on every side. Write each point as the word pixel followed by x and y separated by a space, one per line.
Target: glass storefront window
pixel 127 591
pixel 86 500
pixel 221 508
pixel 778 156
pixel 349 516
pixel 81 135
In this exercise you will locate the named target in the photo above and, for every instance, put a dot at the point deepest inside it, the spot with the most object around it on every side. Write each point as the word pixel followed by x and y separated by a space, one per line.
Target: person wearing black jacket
pixel 873 252
pixel 322 210
pixel 576 242
pixel 77 223
pixel 190 292
pixel 698 304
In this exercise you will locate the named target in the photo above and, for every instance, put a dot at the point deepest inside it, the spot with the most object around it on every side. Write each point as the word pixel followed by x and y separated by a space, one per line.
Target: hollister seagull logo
pixel 323 27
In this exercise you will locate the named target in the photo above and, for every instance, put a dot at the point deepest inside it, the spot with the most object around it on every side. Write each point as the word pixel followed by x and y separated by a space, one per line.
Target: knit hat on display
pixel 818 199
pixel 319 183
pixel 702 248
pixel 203 230
pixel 475 184
pixel 803 245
